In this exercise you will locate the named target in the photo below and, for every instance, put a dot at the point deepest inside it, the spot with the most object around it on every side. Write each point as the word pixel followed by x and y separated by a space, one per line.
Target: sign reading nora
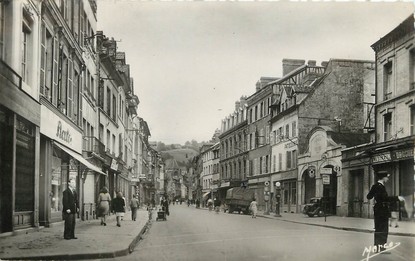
pixel 64 135
pixel 61 130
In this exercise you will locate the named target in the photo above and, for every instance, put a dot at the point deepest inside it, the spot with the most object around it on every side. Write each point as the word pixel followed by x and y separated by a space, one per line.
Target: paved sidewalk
pixel 366 225
pixel 94 240
pixel 406 228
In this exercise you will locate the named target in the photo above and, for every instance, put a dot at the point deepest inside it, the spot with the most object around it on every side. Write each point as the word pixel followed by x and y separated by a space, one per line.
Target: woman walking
pixel 104 205
pixel 118 206
pixel 253 207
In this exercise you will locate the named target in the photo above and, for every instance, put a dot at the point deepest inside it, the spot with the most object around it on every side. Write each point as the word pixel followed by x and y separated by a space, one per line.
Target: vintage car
pixel 315 207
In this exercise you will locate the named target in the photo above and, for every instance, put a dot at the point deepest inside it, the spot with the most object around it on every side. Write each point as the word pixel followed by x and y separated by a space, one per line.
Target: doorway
pixel 356 193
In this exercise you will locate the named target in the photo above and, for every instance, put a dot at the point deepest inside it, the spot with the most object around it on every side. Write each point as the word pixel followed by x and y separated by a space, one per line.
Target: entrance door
pixel 289 196
pixel 330 193
pixel 356 193
pixel 309 187
pixel 6 159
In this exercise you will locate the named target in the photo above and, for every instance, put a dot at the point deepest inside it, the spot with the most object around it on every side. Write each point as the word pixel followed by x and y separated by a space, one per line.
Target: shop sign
pixel 382 157
pixel 114 164
pixel 404 154
pixel 56 128
pixel 225 184
pixel 326 179
pixel 326 171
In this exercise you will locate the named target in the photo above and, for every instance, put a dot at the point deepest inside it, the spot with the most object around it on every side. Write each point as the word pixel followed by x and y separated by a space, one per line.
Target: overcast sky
pixel 192 60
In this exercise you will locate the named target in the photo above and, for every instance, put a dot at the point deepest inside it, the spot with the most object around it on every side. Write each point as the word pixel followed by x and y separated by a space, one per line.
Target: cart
pixel 161 215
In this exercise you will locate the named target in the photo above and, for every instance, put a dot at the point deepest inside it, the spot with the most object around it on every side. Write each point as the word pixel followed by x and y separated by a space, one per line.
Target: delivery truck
pixel 238 199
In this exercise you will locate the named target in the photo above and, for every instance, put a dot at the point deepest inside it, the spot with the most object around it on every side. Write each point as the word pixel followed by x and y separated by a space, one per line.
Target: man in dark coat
pixel 381 209
pixel 70 208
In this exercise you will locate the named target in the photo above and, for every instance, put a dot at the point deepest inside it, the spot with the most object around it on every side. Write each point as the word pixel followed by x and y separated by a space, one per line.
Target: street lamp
pixel 278 196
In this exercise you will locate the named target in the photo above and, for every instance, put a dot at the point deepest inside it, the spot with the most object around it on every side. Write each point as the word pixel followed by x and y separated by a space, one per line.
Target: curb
pixel 117 253
pixel 362 230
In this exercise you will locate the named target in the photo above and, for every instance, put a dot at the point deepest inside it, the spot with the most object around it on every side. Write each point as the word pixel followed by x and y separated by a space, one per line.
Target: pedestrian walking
pixel 216 204
pixel 165 206
pixel 381 209
pixel 69 210
pixel 253 207
pixel 104 200
pixel 118 206
pixel 134 207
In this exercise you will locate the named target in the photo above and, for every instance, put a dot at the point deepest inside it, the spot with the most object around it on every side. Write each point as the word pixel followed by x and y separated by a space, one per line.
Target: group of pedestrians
pixel 117 204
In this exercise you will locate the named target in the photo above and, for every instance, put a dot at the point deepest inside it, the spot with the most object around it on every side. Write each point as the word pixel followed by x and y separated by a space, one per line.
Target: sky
pixel 191 61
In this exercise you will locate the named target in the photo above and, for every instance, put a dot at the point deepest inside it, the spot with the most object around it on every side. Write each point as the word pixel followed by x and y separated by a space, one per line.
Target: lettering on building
pixel 64 135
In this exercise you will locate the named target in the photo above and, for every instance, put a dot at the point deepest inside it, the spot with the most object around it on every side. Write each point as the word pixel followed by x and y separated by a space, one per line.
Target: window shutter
pixel 70 89
pixel 42 59
pixel 267 134
pixel 55 71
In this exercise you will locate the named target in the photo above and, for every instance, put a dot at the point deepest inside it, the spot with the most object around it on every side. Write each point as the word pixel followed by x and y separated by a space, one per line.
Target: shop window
pixel 387 126
pixel 25 182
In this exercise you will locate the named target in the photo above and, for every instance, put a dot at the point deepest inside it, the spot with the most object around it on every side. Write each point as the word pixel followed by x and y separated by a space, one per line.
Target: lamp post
pixel 278 197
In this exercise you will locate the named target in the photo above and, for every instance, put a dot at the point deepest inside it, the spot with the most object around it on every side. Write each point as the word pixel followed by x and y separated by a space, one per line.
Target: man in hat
pixel 381 209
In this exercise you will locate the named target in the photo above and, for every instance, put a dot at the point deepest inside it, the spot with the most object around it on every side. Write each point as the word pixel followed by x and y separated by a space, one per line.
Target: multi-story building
pixel 20 113
pixel 392 147
pixel 206 177
pixel 288 93
pixel 257 138
pixel 67 92
pixel 233 149
pixel 347 88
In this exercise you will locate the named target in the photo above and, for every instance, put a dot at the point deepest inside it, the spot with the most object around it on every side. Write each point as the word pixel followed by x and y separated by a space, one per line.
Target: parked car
pixel 315 207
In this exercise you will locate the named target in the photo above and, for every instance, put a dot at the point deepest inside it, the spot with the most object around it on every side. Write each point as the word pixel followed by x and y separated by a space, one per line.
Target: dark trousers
pixel 134 213
pixel 69 231
pixel 381 230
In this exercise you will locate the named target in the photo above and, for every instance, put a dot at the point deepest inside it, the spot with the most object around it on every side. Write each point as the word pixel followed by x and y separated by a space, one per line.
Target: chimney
pixel 237 105
pixel 258 85
pixel 289 65
pixel 311 63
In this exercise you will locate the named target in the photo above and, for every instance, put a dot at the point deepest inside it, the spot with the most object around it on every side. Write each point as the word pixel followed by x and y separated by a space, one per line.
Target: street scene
pixel 207 130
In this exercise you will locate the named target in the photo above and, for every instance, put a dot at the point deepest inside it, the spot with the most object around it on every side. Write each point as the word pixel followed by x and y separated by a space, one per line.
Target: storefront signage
pixel 225 184
pixel 326 171
pixel 62 134
pixel 326 179
pixel 114 164
pixel 382 157
pixel 56 128
pixel 404 154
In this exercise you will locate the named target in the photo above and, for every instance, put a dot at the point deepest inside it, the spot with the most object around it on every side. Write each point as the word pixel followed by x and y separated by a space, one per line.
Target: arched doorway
pixel 330 189
pixel 309 181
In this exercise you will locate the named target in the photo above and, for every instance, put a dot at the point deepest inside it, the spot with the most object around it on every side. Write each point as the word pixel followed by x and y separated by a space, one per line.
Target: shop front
pixel 320 169
pixel 360 165
pixel 19 147
pixel 60 160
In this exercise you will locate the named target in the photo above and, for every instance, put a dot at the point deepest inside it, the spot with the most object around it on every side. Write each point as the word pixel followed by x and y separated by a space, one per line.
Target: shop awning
pixel 206 194
pixel 79 158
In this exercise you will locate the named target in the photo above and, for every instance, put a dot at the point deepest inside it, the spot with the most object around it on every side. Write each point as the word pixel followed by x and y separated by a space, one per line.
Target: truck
pixel 238 199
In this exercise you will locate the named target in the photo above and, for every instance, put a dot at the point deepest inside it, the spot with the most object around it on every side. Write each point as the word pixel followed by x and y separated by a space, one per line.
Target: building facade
pixel 392 145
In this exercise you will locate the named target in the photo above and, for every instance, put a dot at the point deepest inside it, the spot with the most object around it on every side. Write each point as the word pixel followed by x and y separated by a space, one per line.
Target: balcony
pixel 92 144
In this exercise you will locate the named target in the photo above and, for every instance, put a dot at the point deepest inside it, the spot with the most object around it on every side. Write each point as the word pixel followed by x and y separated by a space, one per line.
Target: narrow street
pixel 197 234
